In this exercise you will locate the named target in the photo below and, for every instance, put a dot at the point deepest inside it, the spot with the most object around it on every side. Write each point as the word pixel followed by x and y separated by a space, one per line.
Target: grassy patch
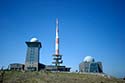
pixel 48 77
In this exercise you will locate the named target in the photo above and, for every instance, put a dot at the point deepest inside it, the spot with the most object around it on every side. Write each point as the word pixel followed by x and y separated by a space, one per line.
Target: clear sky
pixel 87 27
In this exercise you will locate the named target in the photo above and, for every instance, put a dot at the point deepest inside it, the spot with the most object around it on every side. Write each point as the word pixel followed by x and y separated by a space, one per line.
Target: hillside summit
pixel 54 77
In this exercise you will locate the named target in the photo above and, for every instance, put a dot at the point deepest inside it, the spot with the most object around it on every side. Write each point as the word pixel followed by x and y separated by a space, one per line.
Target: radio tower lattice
pixel 57 56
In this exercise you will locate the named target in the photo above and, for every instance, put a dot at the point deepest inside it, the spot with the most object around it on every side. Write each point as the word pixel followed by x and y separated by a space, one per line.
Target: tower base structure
pixel 57 67
pixel 58 60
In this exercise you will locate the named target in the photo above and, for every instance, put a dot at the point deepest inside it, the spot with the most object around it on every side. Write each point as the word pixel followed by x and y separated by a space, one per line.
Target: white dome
pixel 89 59
pixel 34 40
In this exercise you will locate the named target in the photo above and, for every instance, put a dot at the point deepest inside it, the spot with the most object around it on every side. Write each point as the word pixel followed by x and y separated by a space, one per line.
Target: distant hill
pixel 55 77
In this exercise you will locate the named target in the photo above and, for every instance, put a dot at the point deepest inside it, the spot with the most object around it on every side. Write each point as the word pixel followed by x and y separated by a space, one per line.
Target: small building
pixel 16 66
pixel 57 68
pixel 89 65
pixel 41 66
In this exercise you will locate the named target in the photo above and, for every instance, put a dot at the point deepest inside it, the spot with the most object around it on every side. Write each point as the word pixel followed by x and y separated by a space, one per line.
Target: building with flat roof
pixel 57 68
pixel 16 66
pixel 32 56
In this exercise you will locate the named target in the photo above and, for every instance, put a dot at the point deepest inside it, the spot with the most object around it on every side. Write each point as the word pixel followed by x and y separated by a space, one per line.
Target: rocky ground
pixel 55 77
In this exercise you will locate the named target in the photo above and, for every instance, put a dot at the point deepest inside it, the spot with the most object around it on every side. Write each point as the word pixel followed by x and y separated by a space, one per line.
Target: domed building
pixel 32 57
pixel 89 65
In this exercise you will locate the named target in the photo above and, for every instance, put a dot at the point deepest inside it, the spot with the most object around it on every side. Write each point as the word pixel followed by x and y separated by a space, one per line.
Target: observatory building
pixel 32 56
pixel 89 65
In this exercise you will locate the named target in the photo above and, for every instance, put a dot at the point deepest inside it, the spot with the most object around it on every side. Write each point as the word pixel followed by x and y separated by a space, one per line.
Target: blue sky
pixel 87 27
